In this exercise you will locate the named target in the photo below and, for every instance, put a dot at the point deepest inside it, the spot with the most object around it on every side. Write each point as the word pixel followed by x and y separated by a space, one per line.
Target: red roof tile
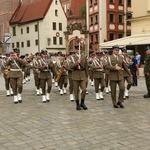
pixel 76 6
pixel 30 12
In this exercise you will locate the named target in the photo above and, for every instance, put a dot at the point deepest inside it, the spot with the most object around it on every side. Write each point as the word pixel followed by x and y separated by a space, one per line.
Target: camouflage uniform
pixel 147 75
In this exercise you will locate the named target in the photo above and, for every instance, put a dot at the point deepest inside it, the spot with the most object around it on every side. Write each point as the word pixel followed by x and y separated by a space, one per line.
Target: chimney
pixel 20 1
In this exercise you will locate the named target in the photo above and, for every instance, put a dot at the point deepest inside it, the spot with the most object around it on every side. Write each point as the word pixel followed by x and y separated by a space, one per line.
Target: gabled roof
pixel 76 6
pixel 30 12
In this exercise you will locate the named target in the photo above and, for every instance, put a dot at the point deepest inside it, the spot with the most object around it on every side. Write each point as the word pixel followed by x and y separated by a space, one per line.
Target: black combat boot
pixel 83 105
pixel 146 95
pixel 77 105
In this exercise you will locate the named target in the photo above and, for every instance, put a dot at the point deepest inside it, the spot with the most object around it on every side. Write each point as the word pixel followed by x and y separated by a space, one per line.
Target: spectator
pixel 138 60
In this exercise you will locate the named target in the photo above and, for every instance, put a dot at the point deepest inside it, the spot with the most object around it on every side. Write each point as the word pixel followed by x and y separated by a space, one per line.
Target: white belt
pixel 45 70
pixel 99 69
pixel 15 70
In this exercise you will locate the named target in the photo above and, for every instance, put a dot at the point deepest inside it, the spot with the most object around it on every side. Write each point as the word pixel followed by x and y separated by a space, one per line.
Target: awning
pixel 137 39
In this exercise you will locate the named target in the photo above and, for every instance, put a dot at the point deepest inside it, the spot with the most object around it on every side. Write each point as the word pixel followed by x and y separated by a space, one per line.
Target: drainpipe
pixel 38 36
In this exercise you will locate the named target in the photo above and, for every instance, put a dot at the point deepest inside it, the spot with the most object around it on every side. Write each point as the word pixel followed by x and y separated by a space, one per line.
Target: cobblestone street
pixel 57 125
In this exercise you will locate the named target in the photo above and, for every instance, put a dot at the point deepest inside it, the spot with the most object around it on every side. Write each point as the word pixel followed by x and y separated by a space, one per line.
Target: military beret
pixel 78 47
pixel 99 53
pixel 43 51
pixel 116 47
pixel 38 53
pixel 124 50
pixel 7 54
pixel 16 50
pixel 22 56
pixel 147 48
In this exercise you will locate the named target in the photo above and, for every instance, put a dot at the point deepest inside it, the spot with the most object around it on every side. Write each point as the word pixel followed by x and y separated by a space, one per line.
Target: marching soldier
pixel 45 67
pixel 79 68
pixel 27 69
pixel 115 65
pixel 127 77
pixel 36 72
pixel 16 76
pixel 90 60
pixel 106 71
pixel 147 72
pixel 61 68
pixel 68 60
pixel 6 71
pixel 97 67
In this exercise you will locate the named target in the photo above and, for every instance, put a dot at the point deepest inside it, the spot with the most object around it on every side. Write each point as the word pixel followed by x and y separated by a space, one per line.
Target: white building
pixel 39 25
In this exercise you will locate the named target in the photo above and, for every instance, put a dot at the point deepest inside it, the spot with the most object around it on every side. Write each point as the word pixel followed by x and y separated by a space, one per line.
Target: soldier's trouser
pixel 129 81
pixel 99 81
pixel 70 86
pixel 91 75
pixel 147 81
pixel 79 84
pixel 7 82
pixel 106 79
pixel 63 81
pixel 16 84
pixel 37 81
pixel 43 85
pixel 113 85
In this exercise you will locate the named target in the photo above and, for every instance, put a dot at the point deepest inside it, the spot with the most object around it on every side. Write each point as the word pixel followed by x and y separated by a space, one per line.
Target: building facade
pixel 141 17
pixel 44 29
pixel 108 20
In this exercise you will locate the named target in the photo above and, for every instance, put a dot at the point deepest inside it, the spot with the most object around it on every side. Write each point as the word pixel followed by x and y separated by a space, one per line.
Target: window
pixel 96 38
pixel 55 2
pixel 36 28
pixel 92 39
pixel 56 12
pixel 120 18
pixel 22 44
pixel 28 43
pixel 95 2
pixel 96 19
pixel 13 45
pixel 14 31
pixel 111 1
pixel 21 31
pixel 17 44
pixel 54 25
pixel 128 2
pixel 60 41
pixel 111 17
pixel 120 35
pixel 120 2
pixel 54 40
pixel 27 29
pixel 111 36
pixel 60 26
pixel 91 2
pixel 91 20
pixel 36 42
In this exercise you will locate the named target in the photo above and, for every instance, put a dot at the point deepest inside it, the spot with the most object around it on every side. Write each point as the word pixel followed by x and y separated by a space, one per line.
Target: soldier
pixel 16 76
pixel 27 69
pixel 90 60
pixel 127 77
pixel 45 67
pixel 115 65
pixel 6 71
pixel 79 75
pixel 36 72
pixel 147 72
pixel 61 68
pixel 97 67
pixel 68 60
pixel 106 71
